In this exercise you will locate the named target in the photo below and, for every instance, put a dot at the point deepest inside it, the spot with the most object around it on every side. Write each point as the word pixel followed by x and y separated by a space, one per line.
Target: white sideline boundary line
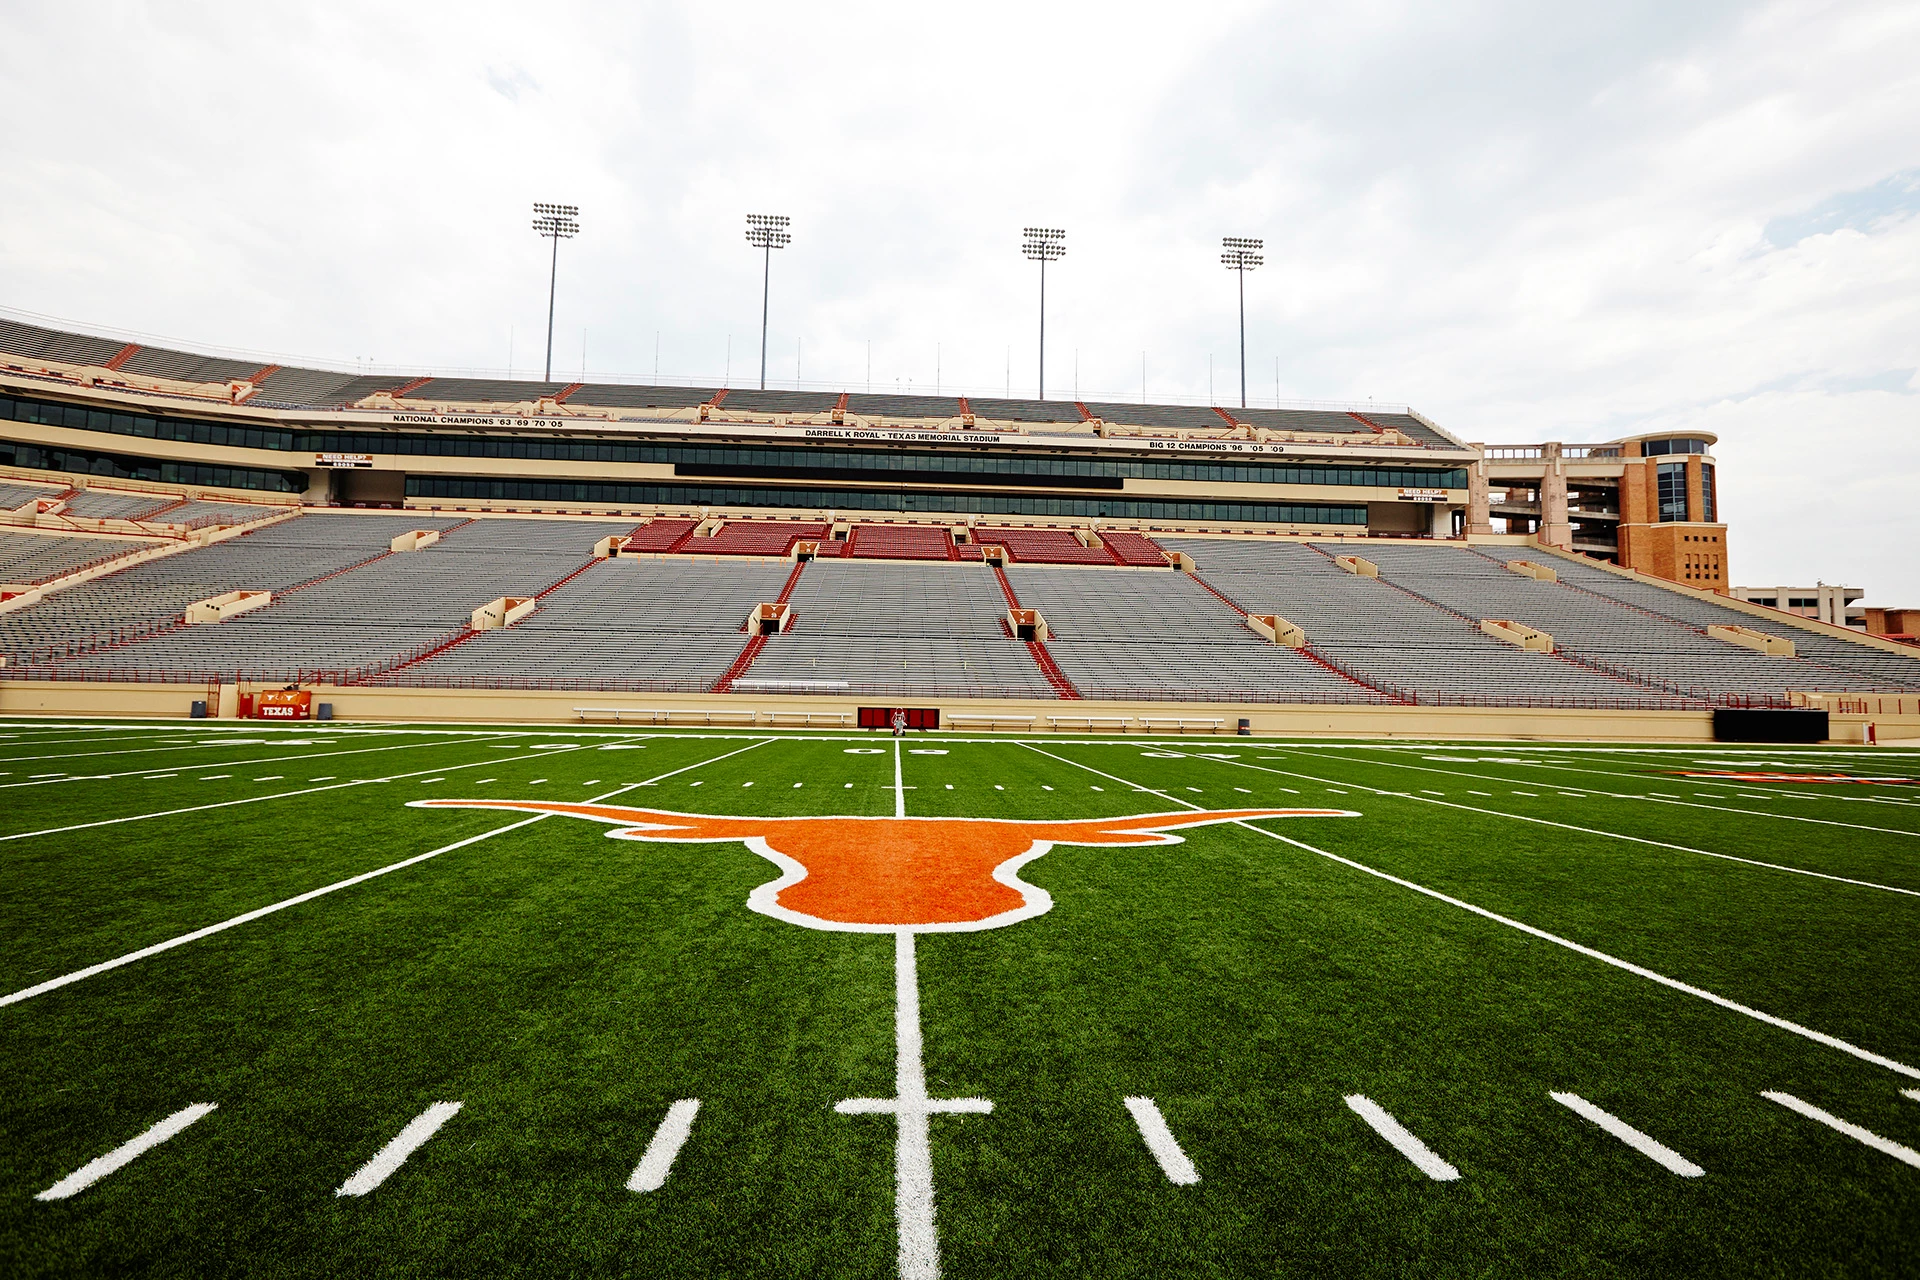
pixel 1818 1037
pixel 1567 826
pixel 310 757
pixel 1892 797
pixel 121 1156
pixel 390 1157
pixel 657 1161
pixel 278 795
pixel 1664 1156
pixel 246 917
pixel 1401 1139
pixel 1906 1155
pixel 1160 1140
pixel 1619 795
pixel 1911 1093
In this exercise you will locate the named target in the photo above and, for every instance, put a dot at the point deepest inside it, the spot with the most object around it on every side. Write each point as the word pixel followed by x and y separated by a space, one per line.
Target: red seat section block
pixel 898 542
pixel 1134 548
pixel 1044 546
pixel 756 538
pixel 659 535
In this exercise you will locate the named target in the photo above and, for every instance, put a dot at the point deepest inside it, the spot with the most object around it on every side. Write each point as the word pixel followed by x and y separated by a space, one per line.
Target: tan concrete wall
pixel 73 698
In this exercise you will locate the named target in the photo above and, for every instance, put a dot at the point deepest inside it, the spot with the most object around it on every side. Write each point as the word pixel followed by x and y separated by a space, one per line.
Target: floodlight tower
pixel 557 222
pixel 1044 245
pixel 1241 256
pixel 766 232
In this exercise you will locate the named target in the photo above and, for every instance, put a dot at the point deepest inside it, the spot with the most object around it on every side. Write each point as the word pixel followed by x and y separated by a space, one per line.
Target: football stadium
pixel 461 827
pixel 919 746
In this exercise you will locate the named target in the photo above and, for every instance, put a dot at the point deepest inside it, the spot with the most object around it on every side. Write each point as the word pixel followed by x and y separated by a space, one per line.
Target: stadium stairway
pixel 757 641
pixel 1041 658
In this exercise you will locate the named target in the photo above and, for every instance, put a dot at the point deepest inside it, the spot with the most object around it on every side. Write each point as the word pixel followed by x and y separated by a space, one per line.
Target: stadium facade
pixel 109 408
pixel 1333 556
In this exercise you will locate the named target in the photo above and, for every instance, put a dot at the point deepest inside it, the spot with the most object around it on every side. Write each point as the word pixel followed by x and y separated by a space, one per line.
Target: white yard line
pixel 1402 1141
pixel 54 984
pixel 395 1153
pixel 1160 1141
pixel 911 1109
pixel 1664 1156
pixel 1818 1037
pixel 899 791
pixel 919 1248
pixel 1568 826
pixel 94 1170
pixel 1906 1155
pixel 657 1161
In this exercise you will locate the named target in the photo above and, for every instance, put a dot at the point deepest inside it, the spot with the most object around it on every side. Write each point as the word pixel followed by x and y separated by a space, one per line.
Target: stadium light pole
pixel 1044 245
pixel 766 232
pixel 1242 255
pixel 557 222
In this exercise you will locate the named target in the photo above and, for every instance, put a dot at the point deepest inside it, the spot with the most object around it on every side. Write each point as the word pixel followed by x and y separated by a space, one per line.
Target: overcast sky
pixel 1529 221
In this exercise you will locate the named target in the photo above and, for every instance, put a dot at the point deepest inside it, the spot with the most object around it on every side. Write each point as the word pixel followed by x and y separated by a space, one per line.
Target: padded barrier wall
pixel 1738 724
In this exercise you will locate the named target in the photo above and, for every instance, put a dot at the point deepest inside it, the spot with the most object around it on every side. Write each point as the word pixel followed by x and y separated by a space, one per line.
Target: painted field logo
pixel 882 875
pixel 904 876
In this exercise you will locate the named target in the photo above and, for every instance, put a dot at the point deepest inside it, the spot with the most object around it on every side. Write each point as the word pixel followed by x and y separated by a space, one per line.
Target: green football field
pixel 1481 1010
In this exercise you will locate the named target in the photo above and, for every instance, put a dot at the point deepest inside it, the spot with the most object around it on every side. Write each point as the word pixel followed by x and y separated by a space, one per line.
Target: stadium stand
pixel 119 607
pixel 1043 546
pixel 1650 649
pixel 483 390
pixel 197 512
pixel 661 535
pixel 900 617
pixel 110 504
pixel 624 625
pixel 53 344
pixel 1130 633
pixel 1394 640
pixel 625 396
pixel 380 612
pixel 1178 417
pixel 14 496
pixel 27 559
pixel 1025 410
pixel 320 387
pixel 882 406
pixel 900 542
pixel 781 401
pixel 754 538
pixel 1134 549
pixel 889 628
pixel 1828 653
pixel 187 366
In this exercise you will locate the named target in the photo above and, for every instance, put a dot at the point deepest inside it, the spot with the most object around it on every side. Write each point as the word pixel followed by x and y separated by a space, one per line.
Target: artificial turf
pixel 567 988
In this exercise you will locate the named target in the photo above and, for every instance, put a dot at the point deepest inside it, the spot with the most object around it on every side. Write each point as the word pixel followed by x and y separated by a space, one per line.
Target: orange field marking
pixel 884 874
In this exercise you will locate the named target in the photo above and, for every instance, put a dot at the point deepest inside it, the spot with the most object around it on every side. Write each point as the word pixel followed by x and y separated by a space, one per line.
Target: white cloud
pixel 1529 221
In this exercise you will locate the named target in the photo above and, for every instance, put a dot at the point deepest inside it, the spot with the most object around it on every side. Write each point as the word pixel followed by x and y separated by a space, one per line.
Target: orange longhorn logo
pixel 882 875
